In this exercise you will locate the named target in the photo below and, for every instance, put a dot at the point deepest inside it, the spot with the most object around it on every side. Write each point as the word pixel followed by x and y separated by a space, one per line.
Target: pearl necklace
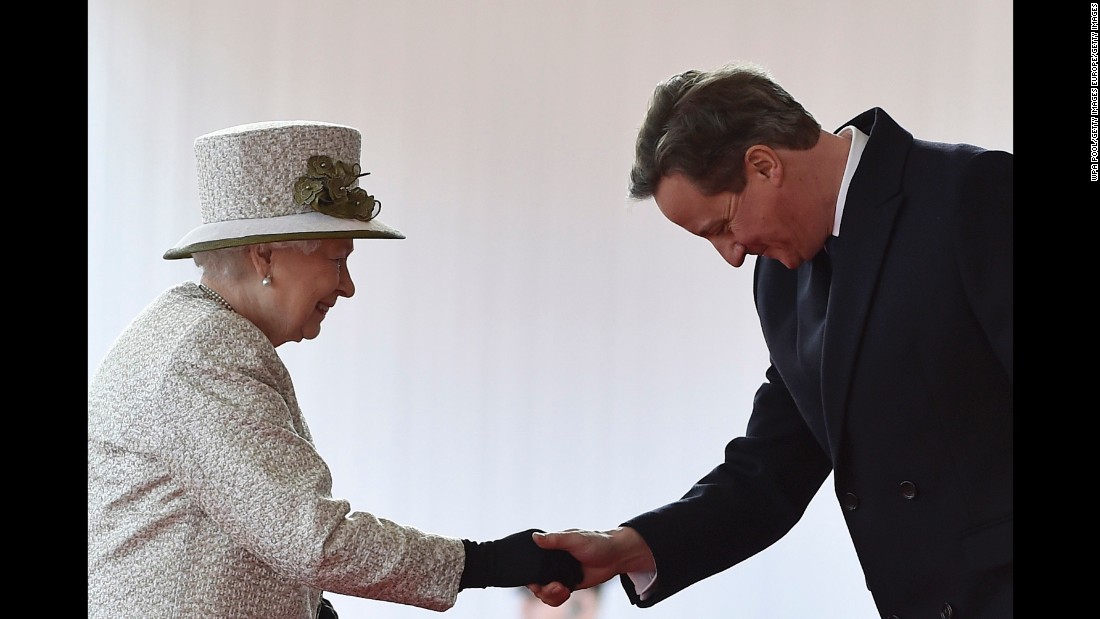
pixel 216 297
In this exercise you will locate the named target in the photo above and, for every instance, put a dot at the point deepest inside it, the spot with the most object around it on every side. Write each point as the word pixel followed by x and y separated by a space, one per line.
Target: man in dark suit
pixel 884 288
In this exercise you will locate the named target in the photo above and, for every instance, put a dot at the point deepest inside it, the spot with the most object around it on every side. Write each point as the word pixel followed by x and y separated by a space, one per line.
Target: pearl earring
pixel 266 281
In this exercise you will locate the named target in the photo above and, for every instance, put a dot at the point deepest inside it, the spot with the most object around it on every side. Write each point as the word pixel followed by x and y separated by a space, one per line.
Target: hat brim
pixel 301 226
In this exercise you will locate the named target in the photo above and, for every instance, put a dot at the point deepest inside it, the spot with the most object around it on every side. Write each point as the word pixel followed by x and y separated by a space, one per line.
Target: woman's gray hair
pixel 230 262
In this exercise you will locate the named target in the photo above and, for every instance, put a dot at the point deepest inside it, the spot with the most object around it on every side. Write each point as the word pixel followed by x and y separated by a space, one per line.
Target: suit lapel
pixel 870 210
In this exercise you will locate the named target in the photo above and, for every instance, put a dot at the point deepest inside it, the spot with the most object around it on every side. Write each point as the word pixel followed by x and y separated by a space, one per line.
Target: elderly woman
pixel 206 496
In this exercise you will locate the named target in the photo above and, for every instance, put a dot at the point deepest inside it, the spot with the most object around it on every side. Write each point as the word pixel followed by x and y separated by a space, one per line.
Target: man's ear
pixel 260 255
pixel 762 161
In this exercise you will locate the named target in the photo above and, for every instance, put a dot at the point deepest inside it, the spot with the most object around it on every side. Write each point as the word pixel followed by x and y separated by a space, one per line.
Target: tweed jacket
pixel 206 497
pixel 911 408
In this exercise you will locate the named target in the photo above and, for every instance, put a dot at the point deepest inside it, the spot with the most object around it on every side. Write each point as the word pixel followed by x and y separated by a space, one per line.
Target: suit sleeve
pixel 744 505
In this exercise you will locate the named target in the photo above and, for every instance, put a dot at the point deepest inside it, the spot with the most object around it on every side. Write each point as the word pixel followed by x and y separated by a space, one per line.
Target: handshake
pixel 516 561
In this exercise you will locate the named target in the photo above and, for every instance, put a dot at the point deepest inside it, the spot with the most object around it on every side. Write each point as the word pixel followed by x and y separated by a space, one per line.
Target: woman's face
pixel 304 287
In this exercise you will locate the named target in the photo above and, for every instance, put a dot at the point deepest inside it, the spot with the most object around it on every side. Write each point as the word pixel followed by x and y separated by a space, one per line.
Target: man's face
pixel 754 221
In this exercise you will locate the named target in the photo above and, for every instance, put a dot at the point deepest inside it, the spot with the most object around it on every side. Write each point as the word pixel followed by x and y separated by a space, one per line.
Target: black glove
pixel 326 611
pixel 516 561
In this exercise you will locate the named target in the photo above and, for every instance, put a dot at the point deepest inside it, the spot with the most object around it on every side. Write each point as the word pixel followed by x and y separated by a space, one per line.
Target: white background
pixel 540 351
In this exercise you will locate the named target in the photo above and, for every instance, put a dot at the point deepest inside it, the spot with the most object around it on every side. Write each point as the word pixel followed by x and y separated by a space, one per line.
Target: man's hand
pixel 602 555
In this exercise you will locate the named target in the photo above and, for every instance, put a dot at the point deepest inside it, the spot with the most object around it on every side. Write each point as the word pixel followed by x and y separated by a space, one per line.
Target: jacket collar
pixel 874 198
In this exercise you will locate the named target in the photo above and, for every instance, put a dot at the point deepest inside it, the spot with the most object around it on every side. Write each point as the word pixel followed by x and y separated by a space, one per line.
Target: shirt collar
pixel 859 141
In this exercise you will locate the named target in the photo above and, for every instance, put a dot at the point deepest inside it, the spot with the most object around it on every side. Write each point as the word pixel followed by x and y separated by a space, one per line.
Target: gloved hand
pixel 516 561
pixel 326 611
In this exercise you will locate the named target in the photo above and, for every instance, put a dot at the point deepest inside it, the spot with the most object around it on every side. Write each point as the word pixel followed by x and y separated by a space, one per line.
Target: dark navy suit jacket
pixel 913 409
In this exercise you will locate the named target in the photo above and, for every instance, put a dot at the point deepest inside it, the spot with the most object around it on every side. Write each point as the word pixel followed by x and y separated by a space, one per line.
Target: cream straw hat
pixel 280 180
